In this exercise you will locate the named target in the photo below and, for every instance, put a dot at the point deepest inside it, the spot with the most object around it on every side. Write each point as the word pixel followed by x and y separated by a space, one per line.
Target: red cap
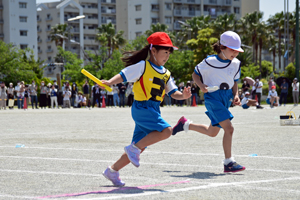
pixel 273 87
pixel 161 39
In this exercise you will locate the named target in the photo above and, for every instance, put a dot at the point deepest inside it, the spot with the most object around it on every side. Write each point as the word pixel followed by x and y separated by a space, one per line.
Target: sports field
pixel 60 154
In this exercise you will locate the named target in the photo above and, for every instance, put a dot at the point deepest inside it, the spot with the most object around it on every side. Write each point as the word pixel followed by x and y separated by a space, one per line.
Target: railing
pixel 48 18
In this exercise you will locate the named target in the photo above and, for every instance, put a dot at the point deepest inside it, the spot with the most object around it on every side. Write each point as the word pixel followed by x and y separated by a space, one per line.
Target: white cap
pixel 247 93
pixel 231 40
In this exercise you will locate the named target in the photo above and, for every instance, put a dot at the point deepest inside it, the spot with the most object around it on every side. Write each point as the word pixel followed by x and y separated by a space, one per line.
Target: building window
pixel 23 33
pixel 168 6
pixel 23 19
pixel 138 21
pixel 49 59
pixel 168 20
pixel 155 20
pixel 228 2
pixel 155 7
pixel 213 1
pixel 22 5
pixel 138 7
pixel 236 10
pixel 23 46
pixel 137 34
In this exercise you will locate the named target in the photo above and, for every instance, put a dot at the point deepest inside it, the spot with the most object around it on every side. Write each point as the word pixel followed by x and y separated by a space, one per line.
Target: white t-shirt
pixel 67 95
pixel 244 101
pixel 272 94
pixel 217 72
pixel 259 90
pixel 295 86
pixel 132 73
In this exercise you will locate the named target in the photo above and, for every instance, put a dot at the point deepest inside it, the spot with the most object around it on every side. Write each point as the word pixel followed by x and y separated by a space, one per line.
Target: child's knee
pixel 167 132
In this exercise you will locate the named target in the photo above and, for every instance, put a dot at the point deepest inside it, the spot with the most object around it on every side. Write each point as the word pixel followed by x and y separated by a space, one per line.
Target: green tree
pixel 112 66
pixel 58 33
pixel 250 71
pixel 202 45
pixel 107 36
pixel 223 23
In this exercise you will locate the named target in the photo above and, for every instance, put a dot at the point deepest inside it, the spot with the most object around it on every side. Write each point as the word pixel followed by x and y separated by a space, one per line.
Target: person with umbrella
pixel 295 86
pixel 284 92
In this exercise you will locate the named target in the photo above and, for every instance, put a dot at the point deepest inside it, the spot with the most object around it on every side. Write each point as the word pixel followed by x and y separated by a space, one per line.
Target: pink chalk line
pixel 116 189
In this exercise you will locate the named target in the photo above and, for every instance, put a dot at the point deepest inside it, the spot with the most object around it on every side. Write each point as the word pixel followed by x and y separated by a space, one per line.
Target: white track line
pixel 155 152
pixel 211 185
pixel 16 197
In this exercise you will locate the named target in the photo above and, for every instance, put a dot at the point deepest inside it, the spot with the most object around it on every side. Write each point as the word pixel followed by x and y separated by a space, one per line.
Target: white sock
pixel 226 161
pixel 136 147
pixel 111 170
pixel 186 125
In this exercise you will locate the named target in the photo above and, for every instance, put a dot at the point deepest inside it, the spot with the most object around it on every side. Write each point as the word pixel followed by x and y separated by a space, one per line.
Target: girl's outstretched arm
pixel 114 80
pixel 236 99
pixel 184 95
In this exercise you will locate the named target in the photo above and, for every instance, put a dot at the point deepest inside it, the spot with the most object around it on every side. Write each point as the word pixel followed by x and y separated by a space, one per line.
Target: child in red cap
pixel 273 98
pixel 151 81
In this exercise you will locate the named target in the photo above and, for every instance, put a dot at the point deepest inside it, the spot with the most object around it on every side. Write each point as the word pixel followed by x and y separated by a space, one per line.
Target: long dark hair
pixel 218 46
pixel 133 57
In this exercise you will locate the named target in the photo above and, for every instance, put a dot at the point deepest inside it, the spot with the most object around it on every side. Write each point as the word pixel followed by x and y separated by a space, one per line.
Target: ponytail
pixel 133 57
pixel 217 47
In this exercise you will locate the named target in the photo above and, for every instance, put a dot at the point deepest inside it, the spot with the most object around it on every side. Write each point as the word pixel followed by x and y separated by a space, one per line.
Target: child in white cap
pixel 217 77
pixel 247 102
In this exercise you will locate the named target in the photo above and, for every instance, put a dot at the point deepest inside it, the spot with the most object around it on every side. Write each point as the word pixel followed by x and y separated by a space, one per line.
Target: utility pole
pixel 297 39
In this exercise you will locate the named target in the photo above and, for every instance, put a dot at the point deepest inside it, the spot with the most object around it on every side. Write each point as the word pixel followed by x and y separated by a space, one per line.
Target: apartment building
pixel 18 23
pixel 96 12
pixel 136 16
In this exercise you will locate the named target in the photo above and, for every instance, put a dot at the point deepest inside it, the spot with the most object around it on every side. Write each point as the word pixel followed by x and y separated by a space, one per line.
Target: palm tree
pixel 158 28
pixel 262 40
pixel 224 22
pixel 107 36
pixel 195 24
pixel 58 33
pixel 272 43
pixel 277 24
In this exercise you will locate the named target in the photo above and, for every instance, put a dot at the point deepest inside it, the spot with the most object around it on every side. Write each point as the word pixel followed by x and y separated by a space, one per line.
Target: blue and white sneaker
pixel 113 177
pixel 133 154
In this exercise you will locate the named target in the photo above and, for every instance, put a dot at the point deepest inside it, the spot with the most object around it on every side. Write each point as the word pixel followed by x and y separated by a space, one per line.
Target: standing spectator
pixel 74 93
pixel 110 98
pixel 10 94
pixel 86 89
pixel 67 95
pixel 53 96
pixel 295 86
pixel 284 92
pixel 180 89
pixel 26 95
pixel 129 94
pixel 3 95
pixel 49 86
pixel 271 83
pixel 258 87
pixel 96 95
pixel 116 95
pixel 22 90
pixel 122 88
pixel 33 94
pixel 194 91
pixel 18 95
pixel 43 95
pixel 189 100
pixel 245 86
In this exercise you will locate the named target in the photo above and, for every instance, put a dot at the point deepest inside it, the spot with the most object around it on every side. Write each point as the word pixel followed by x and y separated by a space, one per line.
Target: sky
pixel 268 7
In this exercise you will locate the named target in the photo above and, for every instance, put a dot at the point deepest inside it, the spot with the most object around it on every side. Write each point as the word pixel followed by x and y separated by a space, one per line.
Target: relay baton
pixel 96 80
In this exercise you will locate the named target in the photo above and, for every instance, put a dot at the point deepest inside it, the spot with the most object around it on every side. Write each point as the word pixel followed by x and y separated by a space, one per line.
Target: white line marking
pixel 145 163
pixel 18 197
pixel 212 185
pixel 269 189
pixel 155 152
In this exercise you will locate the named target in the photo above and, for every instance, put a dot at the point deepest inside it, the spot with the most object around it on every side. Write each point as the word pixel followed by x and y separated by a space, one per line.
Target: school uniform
pixel 151 82
pixel 222 73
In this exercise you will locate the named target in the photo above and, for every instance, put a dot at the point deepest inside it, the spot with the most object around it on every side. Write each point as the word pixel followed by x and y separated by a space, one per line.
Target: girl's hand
pixel 104 82
pixel 186 92
pixel 236 100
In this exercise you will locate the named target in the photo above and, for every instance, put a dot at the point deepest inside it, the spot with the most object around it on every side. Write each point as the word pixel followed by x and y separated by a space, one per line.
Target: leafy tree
pixel 267 68
pixel 202 45
pixel 58 33
pixel 112 66
pixel 245 57
pixel 250 71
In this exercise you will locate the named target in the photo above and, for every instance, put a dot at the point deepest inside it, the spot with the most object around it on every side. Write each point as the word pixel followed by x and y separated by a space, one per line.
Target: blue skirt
pixel 217 104
pixel 147 118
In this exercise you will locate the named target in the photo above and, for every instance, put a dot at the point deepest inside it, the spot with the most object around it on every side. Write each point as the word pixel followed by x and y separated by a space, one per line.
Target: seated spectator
pixel 81 100
pixel 272 97
pixel 247 102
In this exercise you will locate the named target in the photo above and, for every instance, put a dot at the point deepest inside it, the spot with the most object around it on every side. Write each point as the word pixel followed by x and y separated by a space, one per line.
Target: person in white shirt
pixel 258 90
pixel 295 86
pixel 67 95
pixel 272 97
pixel 81 100
pixel 247 102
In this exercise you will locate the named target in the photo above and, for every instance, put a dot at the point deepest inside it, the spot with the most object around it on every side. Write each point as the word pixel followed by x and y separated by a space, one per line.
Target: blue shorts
pixel 268 101
pixel 217 104
pixel 245 106
pixel 147 118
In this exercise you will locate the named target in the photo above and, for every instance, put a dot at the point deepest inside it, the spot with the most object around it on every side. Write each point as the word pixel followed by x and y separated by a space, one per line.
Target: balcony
pixel 108 11
pixel 48 40
pixel 40 40
pixel 48 29
pixel 39 30
pixel 1 21
pixel 49 50
pixel 40 51
pixel 91 21
pixel 48 18
pixel 75 30
pixel 108 1
pixel 38 19
pixel 186 13
pixel 1 35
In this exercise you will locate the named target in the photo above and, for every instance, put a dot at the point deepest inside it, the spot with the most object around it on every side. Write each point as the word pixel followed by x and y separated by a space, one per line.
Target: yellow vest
pixel 151 85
